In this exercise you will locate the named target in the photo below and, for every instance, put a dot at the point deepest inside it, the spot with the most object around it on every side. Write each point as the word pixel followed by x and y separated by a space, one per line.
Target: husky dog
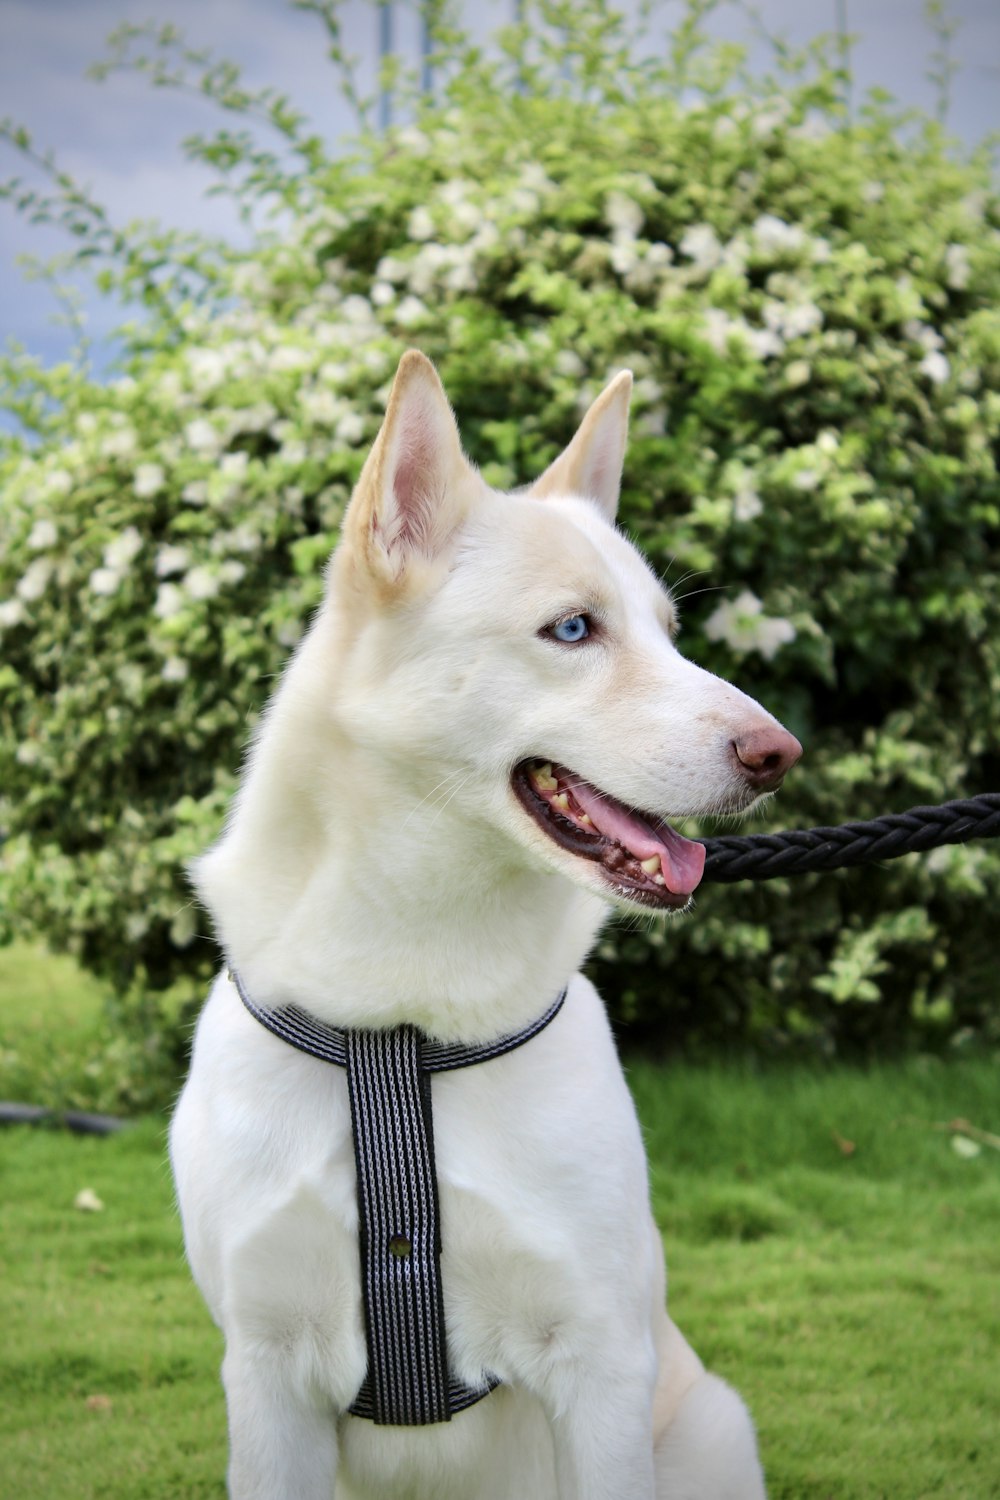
pixel 472 755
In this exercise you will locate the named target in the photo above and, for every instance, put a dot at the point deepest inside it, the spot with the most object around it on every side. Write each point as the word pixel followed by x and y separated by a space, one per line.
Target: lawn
pixel 834 1250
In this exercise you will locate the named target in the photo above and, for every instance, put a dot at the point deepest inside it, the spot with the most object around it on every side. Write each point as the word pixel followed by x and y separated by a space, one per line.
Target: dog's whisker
pixel 714 588
pixel 440 807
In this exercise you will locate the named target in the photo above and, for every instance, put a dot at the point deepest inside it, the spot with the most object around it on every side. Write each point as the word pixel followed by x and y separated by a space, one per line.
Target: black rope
pixel 765 856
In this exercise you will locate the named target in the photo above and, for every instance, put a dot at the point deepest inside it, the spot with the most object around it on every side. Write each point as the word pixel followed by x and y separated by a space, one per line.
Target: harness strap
pixel 389 1084
pixel 304 1031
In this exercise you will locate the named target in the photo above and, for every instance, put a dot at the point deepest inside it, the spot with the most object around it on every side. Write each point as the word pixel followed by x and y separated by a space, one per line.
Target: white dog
pixel 440 807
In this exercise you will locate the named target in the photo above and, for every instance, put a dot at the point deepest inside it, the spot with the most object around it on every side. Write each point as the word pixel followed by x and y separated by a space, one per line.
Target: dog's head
pixel 514 655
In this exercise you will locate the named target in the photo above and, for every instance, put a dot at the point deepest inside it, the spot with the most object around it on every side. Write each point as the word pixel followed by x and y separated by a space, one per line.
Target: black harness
pixel 389 1083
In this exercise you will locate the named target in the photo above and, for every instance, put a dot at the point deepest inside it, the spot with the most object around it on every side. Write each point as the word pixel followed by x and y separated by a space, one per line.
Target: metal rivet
pixel 400 1246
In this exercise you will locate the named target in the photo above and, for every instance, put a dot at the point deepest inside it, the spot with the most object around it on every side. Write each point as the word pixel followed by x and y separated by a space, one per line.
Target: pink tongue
pixel 681 860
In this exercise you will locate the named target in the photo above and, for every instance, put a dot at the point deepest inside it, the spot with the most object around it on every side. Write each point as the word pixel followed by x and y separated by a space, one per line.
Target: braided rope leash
pixel 766 856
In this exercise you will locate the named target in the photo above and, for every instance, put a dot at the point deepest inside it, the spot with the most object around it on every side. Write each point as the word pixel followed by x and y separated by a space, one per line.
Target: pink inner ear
pixel 412 483
pixel 597 473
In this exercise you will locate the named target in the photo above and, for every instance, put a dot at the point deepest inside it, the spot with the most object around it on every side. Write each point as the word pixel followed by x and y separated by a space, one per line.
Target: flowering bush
pixel 810 308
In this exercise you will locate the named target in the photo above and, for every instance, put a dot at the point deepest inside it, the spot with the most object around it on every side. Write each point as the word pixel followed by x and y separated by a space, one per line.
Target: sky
pixel 122 138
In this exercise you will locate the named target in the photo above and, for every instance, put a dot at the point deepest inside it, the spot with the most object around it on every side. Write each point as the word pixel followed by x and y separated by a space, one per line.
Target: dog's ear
pixel 592 464
pixel 415 487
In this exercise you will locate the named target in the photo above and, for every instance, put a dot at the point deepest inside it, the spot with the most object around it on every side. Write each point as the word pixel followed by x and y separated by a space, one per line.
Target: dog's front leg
pixel 603 1438
pixel 282 1438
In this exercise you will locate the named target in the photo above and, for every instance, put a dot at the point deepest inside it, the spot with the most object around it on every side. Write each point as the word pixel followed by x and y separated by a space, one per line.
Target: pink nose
pixel 763 756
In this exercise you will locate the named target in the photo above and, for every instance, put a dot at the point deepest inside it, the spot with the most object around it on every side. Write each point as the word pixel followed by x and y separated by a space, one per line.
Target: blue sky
pixel 122 139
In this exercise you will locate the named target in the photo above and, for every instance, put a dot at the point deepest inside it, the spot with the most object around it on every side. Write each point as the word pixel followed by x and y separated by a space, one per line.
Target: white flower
pixel 718 327
pixel 105 580
pixel 11 613
pixel 59 482
pixel 570 364
pixel 412 138
pixel 201 583
pixel 742 624
pixel 350 429
pixel 148 480
pixel 736 254
pixel 169 601
pixel 36 580
pixel 136 926
pixel 356 309
pixel 764 342
pixel 806 480
pixel 773 236
pixel 121 549
pixel 828 442
pixel 119 444
pixel 391 268
pixel 873 192
pixel 623 215
pixel 289 633
pixel 171 560
pixel 203 438
pixel 288 357
pixel 792 321
pixel 240 539
pixel 767 121
pixel 921 333
pixel 701 245
pixel 746 504
pixel 936 367
pixel 28 754
pixel 195 492
pixel 383 292
pixel 320 406
pixel 421 225
pixel 797 373
pixel 174 669
pixel 647 391
pixel 131 678
pixel 231 571
pixel 256 418
pixel 234 465
pixel 411 310
pixel 43 534
pixel 208 367
pixel 957 268
pixel 624 257
pixel 169 386
pixel 652 423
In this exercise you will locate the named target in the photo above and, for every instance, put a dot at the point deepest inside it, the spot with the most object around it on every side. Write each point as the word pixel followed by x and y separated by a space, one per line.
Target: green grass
pixel 55 1047
pixel 851 1294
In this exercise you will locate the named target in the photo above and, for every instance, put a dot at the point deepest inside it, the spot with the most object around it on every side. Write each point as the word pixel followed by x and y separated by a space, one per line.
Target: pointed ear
pixel 592 464
pixel 416 485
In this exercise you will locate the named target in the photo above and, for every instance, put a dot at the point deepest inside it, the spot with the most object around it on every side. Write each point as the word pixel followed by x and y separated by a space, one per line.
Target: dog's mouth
pixel 640 857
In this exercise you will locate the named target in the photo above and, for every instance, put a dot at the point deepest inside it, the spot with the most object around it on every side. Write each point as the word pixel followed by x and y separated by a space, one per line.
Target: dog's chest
pixel 534 1214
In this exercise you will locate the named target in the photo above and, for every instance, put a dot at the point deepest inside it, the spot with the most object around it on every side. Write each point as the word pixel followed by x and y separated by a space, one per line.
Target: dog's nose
pixel 763 756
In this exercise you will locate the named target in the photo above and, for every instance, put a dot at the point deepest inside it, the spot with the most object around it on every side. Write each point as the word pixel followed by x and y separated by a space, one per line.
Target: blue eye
pixel 576 628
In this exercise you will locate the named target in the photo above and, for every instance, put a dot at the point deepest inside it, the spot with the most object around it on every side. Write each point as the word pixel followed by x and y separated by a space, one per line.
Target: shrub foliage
pixel 809 302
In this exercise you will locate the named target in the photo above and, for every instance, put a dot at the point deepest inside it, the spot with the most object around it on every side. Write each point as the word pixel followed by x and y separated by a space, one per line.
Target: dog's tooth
pixel 561 799
pixel 543 778
pixel 651 865
pixel 658 880
pixel 584 818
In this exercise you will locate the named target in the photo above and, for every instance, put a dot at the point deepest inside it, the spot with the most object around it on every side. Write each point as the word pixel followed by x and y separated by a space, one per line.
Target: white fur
pixel 378 869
